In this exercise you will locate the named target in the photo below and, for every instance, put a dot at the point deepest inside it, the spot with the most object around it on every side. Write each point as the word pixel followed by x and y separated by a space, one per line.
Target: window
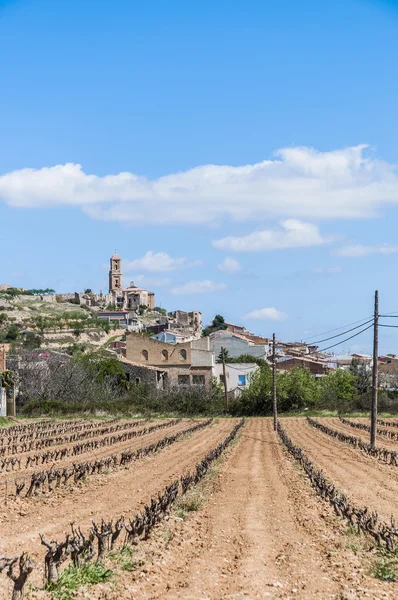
pixel 183 354
pixel 165 355
pixel 115 266
pixel 198 379
pixel 242 379
pixel 183 380
pixel 145 354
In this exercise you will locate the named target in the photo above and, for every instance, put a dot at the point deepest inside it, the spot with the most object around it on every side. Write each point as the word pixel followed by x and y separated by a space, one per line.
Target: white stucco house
pixel 237 375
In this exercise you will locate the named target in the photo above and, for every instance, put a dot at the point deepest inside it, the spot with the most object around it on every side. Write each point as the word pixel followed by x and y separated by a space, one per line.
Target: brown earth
pixel 122 491
pixel 381 440
pixel 99 453
pixel 262 534
pixel 365 480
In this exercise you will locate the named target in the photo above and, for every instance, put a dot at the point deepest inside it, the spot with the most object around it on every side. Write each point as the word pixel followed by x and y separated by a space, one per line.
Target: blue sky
pixel 248 147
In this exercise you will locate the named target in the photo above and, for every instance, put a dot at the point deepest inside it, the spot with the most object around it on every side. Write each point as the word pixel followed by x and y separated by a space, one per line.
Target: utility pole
pixel 225 378
pixel 275 403
pixel 375 374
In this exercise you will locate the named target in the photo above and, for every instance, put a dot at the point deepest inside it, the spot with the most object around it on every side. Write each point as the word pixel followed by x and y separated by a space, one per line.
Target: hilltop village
pixel 155 347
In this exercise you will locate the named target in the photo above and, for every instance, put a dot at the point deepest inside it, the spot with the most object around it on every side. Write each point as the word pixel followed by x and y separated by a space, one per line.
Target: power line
pixel 342 327
pixel 342 341
pixel 393 326
pixel 342 333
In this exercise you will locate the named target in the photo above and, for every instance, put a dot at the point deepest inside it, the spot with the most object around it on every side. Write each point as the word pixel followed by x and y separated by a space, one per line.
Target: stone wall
pixel 146 351
pixel 3 353
pixel 137 374
pixel 163 378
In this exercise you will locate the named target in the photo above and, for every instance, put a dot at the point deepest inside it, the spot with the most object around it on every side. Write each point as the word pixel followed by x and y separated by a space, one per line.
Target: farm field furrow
pixel 381 440
pixel 122 491
pixel 88 435
pixel 263 534
pixel 364 480
pixel 98 453
pixel 384 433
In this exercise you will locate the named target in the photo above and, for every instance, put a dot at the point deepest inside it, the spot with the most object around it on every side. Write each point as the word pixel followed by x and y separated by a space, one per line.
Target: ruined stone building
pixel 131 297
pixel 165 364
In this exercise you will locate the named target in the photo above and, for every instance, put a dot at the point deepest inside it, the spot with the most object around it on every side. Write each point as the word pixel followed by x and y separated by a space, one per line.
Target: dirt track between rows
pixel 122 491
pixel 381 440
pixel 365 480
pixel 263 535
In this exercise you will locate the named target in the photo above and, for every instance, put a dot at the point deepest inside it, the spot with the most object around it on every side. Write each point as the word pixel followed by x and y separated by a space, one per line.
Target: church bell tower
pixel 115 274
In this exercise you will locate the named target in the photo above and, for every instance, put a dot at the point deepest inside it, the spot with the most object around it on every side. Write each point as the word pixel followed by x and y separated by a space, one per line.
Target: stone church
pixel 130 298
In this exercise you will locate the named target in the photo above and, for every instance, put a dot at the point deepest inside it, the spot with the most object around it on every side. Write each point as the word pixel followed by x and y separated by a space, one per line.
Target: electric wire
pixel 342 333
pixel 341 341
pixel 342 327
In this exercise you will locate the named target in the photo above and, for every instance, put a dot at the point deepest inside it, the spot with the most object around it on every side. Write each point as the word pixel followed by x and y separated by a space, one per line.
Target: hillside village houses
pixel 169 350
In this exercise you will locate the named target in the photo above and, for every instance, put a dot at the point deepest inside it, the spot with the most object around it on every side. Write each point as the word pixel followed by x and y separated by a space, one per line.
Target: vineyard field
pixel 195 509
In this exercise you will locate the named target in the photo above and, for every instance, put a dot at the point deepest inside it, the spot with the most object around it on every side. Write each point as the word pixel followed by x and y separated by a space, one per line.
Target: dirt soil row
pixel 365 480
pixel 91 437
pixel 133 443
pixel 381 440
pixel 263 534
pixel 122 491
pixel 366 421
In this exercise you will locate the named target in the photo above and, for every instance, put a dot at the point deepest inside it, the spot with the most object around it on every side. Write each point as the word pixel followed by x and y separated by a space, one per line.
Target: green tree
pixel 41 323
pixel 297 389
pixel 257 398
pixel 31 341
pixel 338 390
pixel 223 356
pixel 103 367
pixel 3 318
pixel 77 328
pixel 363 376
pixel 248 358
pixel 217 324
pixel 12 334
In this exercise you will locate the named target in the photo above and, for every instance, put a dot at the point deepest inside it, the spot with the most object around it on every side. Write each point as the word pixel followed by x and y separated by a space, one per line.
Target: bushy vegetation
pixel 94 382
pixel 217 324
pixel 12 292
pixel 73 322
pixel 91 382
pixel 341 390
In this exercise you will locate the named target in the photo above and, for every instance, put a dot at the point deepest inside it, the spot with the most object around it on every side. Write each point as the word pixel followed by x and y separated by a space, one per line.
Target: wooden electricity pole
pixel 375 374
pixel 274 400
pixel 225 377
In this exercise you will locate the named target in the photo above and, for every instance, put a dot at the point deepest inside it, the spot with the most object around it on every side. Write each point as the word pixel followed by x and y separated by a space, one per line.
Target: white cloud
pixel 229 265
pixel 360 250
pixel 297 182
pixel 158 262
pixel 199 287
pixel 293 234
pixel 270 314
